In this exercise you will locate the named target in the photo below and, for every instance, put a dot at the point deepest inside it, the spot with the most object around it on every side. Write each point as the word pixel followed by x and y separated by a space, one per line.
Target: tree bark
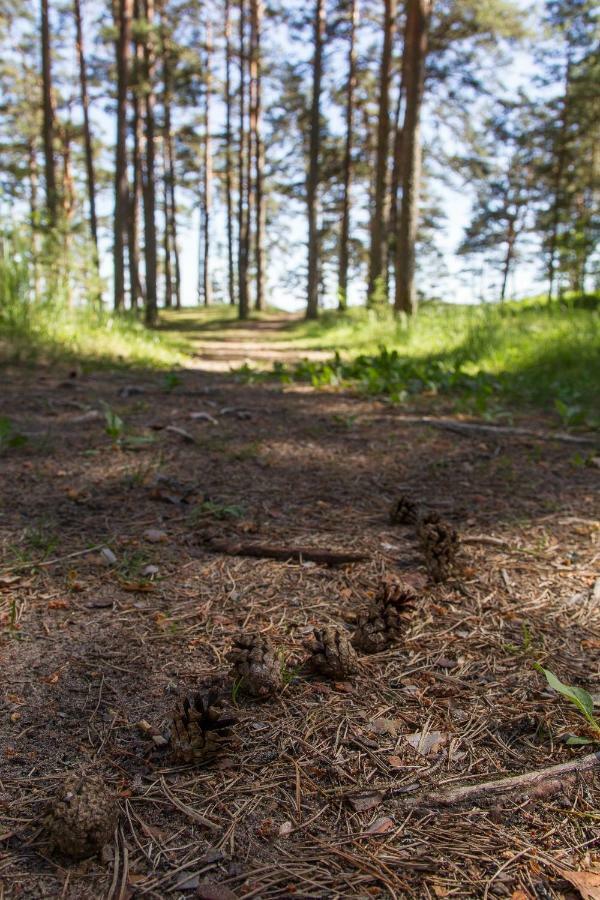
pixel 48 119
pixel 87 132
pixel 558 180
pixel 33 212
pixel 149 189
pixel 207 175
pixel 377 285
pixel 243 293
pixel 123 25
pixel 256 13
pixel 415 53
pixel 136 288
pixel 345 227
pixel 170 213
pixel 397 170
pixel 312 181
pixel 228 158
pixel 166 235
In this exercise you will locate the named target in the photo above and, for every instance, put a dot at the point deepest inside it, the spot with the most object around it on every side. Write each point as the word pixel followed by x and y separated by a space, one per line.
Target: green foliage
pixel 10 439
pixel 216 511
pixel 171 380
pixel 115 426
pixel 580 699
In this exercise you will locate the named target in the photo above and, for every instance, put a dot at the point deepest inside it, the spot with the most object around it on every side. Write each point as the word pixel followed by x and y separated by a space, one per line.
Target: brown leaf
pixel 8 580
pixel 142 587
pixel 395 762
pixel 587 883
pixel 155 536
pixel 364 802
pixel 385 726
pixel 58 604
pixel 380 826
pixel 209 890
pixel 285 828
pixel 426 743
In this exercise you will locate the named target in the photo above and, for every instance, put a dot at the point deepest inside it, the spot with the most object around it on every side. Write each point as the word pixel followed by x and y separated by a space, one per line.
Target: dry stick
pixel 267 551
pixel 528 782
pixel 474 428
pixel 50 562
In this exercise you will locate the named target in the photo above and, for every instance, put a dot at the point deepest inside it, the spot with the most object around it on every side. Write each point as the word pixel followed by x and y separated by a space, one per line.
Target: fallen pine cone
pixel 199 730
pixel 82 816
pixel 331 654
pixel 382 625
pixel 440 545
pixel 255 666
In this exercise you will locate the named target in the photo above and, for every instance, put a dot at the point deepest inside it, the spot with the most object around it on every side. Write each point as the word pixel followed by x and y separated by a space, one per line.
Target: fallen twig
pixel 50 562
pixel 267 551
pixel 474 428
pixel 538 783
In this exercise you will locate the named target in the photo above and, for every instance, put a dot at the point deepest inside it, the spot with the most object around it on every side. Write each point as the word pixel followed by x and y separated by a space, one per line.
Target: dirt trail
pixel 253 343
pixel 312 797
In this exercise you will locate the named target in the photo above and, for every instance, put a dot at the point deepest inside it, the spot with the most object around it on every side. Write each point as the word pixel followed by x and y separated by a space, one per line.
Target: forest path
pixel 121 591
pixel 223 344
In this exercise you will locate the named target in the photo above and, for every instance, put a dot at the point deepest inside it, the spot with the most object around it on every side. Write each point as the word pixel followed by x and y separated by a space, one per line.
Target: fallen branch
pixel 267 551
pixel 541 783
pixel 474 428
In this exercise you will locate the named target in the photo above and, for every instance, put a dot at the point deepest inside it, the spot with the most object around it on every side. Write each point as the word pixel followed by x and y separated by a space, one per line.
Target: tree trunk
pixel 377 285
pixel 173 217
pixel 312 181
pixel 228 158
pixel 397 170
pixel 166 229
pixel 345 228
pixel 87 133
pixel 169 237
pixel 149 189
pixel 34 214
pixel 136 288
pixel 256 12
pixel 68 205
pixel 207 175
pixel 510 249
pixel 242 188
pixel 123 25
pixel 415 50
pixel 48 119
pixel 558 180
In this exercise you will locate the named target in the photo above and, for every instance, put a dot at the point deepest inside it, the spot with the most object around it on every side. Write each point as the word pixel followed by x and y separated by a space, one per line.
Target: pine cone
pixel 199 730
pixel 82 816
pixel 255 666
pixel 404 511
pixel 426 517
pixel 382 625
pixel 439 544
pixel 332 654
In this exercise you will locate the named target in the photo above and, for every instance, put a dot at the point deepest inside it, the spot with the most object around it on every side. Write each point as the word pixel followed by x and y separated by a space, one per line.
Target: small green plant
pixel 171 380
pixel 216 510
pixel 114 424
pixel 41 538
pixel 10 439
pixel 236 688
pixel 580 699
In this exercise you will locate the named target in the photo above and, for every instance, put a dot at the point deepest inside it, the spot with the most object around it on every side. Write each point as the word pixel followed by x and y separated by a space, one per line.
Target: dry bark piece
pixel 199 729
pixel 404 511
pixel 82 816
pixel 285 554
pixel 382 625
pixel 255 666
pixel 439 545
pixel 331 654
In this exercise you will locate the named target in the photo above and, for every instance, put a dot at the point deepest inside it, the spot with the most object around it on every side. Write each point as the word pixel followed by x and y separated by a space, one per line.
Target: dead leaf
pixel 426 743
pixel 380 826
pixel 587 883
pixel 8 580
pixel 209 890
pixel 385 726
pixel 142 587
pixel 58 604
pixel 364 802
pixel 155 536
pixel 520 895
pixel 285 828
pixel 395 762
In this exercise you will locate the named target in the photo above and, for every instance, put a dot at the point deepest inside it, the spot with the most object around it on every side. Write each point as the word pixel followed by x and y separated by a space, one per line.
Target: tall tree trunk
pixel 243 293
pixel 397 169
pixel 68 205
pixel 345 228
pixel 377 286
pixel 123 25
pixel 256 10
pixel 136 288
pixel 173 218
pixel 510 251
pixel 149 189
pixel 207 174
pixel 415 50
pixel 166 229
pixel 558 182
pixel 33 213
pixel 312 181
pixel 48 120
pixel 228 157
pixel 87 133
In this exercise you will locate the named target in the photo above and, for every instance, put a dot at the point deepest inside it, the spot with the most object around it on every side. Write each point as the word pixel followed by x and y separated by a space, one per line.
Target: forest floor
pixel 113 606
